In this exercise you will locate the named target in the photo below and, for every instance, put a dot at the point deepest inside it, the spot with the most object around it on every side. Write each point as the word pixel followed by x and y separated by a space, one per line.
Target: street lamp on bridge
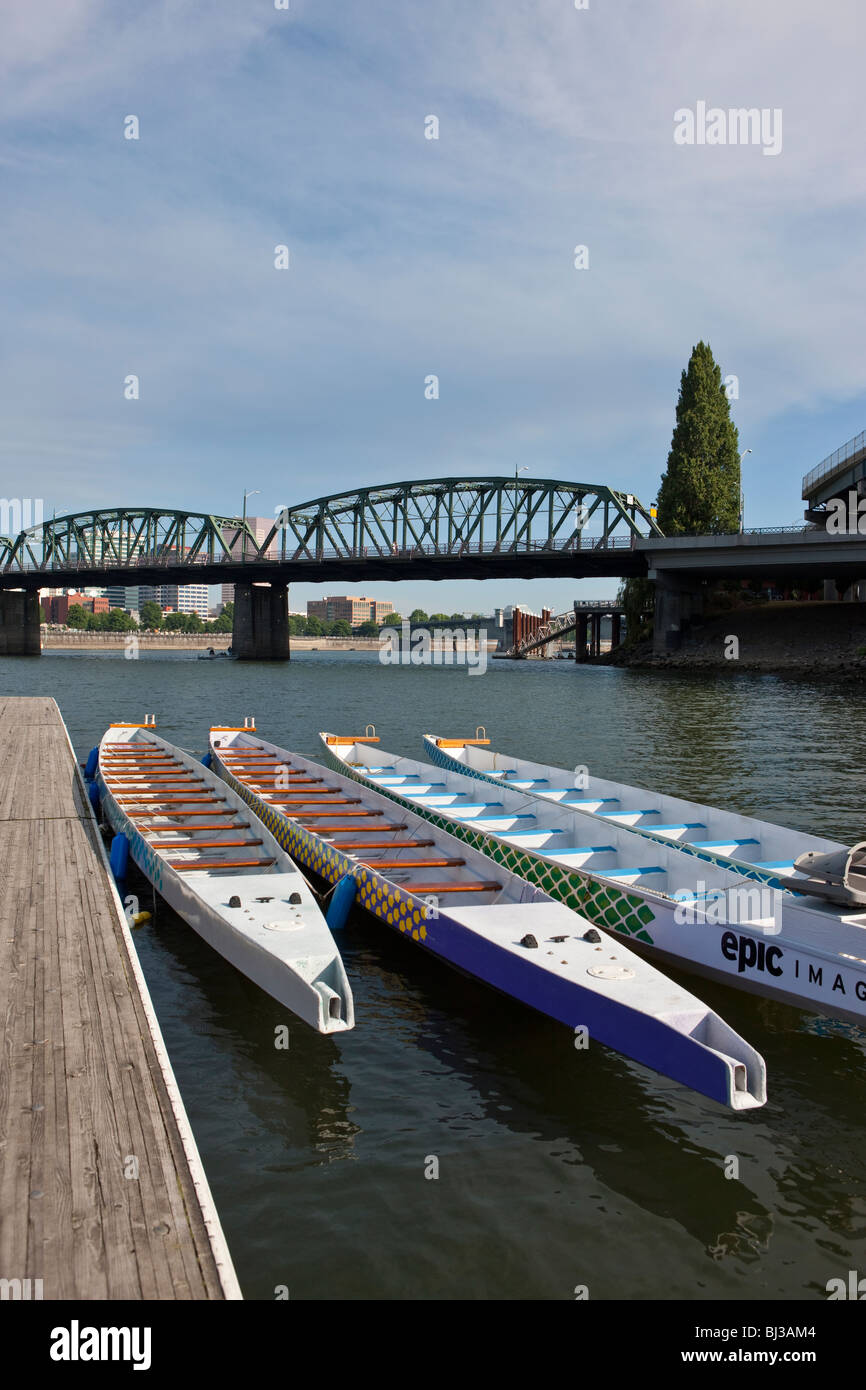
pixel 742 499
pixel 254 492
pixel 517 472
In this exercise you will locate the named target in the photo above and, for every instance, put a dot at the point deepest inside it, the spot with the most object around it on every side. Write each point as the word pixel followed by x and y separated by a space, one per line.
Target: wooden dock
pixel 102 1193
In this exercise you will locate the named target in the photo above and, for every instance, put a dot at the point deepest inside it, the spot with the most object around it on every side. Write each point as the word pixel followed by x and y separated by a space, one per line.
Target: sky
pixel 305 127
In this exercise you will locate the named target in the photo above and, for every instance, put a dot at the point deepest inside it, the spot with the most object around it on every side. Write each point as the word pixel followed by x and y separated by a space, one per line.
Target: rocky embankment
pixel 797 639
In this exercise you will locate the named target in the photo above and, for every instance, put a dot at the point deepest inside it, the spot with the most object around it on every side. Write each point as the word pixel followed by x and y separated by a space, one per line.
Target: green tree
pixel 194 623
pixel 228 611
pixel 457 618
pixel 314 627
pixel 418 616
pixel 637 598
pixel 150 615
pixel 341 628
pixel 175 622
pixel 393 620
pixel 43 616
pixel 297 625
pixel 120 621
pixel 368 629
pixel 442 618
pixel 224 623
pixel 97 622
pixel 77 616
pixel 700 489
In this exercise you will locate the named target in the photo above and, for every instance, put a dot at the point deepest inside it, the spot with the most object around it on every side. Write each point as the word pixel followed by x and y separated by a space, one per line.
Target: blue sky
pixel 410 256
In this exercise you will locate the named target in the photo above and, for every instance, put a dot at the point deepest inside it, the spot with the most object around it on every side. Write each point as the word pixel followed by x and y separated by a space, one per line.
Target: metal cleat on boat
pixel 840 877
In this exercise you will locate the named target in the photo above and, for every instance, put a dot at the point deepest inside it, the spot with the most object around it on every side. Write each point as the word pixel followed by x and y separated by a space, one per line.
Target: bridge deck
pixel 84 1080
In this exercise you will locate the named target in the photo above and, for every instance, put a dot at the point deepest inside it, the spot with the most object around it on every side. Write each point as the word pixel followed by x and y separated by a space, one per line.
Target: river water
pixel 557 1168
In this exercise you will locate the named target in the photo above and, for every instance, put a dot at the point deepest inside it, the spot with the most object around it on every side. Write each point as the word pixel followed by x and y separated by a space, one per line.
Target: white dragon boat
pixel 758 848
pixel 223 872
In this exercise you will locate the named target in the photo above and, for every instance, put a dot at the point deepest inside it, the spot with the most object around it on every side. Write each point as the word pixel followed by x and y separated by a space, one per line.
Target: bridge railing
pixel 834 461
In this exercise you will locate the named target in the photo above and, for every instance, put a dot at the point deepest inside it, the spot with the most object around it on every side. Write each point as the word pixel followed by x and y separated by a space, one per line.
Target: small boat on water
pixel 794 943
pixel 213 655
pixel 449 899
pixel 761 850
pixel 222 871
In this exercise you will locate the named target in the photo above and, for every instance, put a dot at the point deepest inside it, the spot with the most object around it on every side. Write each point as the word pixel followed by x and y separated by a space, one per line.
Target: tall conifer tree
pixel 700 489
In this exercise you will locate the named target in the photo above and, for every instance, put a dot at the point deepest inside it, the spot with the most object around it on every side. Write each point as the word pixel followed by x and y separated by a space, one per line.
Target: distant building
pixel 57 606
pixel 354 611
pixel 183 598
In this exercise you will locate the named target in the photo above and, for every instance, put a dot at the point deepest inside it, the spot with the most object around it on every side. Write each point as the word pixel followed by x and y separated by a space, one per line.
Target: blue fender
pixel 207 759
pixel 93 793
pixel 341 902
pixel 91 764
pixel 119 857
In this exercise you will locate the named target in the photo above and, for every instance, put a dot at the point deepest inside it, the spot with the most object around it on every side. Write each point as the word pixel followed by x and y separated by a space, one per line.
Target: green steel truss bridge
pixel 439 528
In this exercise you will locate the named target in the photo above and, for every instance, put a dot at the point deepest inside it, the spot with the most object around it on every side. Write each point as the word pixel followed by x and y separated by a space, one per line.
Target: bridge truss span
pixel 457 516
pixel 436 528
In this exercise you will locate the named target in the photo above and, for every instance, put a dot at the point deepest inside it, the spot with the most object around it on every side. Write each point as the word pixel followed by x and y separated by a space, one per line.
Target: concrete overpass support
pixel 615 631
pixel 677 603
pixel 19 623
pixel 580 636
pixel 261 624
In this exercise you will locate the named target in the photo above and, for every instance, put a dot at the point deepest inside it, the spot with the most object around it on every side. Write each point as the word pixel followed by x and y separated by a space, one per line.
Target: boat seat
pixel 354 829
pixel 220 863
pixel 773 864
pixel 478 806
pixel 684 825
pixel 414 863
pixel 192 798
pixel 633 873
pixel 520 834
pixel 386 844
pixel 716 844
pixel 596 800
pixel 312 800
pixel 161 815
pixel 308 815
pixel 198 830
pixel 204 844
pixel 434 889
pixel 585 849
pixel 522 815
pixel 612 815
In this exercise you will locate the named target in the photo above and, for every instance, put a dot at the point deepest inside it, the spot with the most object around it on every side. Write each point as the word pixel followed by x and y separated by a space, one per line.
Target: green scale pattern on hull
pixel 602 904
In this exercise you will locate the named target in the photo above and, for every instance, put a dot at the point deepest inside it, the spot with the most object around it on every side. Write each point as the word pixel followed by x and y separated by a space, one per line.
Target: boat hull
pixel 807 956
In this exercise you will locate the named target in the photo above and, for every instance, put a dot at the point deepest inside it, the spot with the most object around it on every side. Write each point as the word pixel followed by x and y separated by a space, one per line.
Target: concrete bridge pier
pixel 19 623
pixel 580 637
pixel 261 625
pixel 677 602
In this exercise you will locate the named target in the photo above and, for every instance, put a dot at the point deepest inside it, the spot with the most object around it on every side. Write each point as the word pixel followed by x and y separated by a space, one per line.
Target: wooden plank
pixel 85 1085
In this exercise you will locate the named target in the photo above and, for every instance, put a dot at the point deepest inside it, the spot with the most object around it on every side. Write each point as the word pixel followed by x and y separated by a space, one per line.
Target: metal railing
pixel 834 461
